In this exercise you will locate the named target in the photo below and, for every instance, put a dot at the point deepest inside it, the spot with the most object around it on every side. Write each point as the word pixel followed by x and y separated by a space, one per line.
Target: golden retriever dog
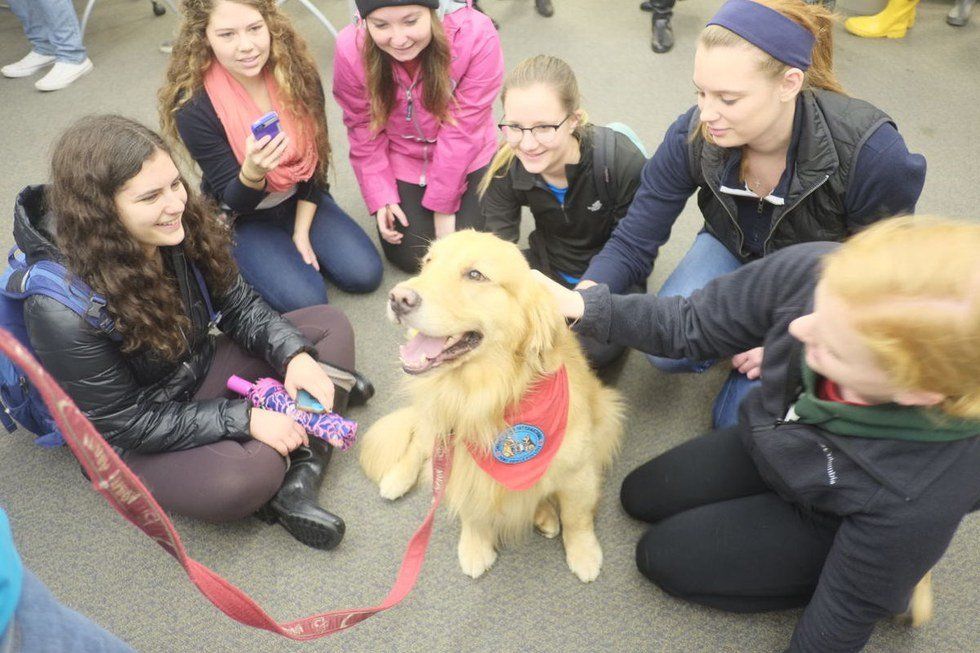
pixel 482 332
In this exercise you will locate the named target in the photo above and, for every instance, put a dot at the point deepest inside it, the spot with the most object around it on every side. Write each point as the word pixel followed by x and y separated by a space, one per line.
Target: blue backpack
pixel 21 402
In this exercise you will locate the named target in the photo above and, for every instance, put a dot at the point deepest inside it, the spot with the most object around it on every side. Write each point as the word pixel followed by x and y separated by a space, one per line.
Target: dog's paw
pixel 396 483
pixel 546 520
pixel 584 556
pixel 475 556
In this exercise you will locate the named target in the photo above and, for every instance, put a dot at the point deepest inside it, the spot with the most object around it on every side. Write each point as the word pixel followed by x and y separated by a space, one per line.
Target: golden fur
pixel 475 282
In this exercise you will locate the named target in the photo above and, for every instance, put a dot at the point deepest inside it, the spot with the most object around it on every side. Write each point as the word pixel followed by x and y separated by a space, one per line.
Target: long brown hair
pixel 549 71
pixel 289 61
pixel 437 86
pixel 93 159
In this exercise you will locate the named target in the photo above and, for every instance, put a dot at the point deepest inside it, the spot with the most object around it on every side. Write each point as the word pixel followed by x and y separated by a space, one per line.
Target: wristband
pixel 260 180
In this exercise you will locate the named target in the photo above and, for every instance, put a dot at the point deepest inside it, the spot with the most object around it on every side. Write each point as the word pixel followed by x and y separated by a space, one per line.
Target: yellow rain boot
pixel 891 22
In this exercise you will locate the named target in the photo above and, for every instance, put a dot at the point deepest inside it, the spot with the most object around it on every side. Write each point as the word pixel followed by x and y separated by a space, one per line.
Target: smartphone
pixel 306 402
pixel 267 125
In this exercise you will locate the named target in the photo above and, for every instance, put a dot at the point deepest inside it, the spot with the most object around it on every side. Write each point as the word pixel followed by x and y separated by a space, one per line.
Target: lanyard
pixel 126 493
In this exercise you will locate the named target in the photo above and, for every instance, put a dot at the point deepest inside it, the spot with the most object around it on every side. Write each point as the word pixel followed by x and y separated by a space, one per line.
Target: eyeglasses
pixel 543 134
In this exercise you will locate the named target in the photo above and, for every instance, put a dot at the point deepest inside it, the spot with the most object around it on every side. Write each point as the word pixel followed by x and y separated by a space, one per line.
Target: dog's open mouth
pixel 422 353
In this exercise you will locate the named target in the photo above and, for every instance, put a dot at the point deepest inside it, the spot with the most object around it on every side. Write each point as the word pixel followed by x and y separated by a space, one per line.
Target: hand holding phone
pixel 306 402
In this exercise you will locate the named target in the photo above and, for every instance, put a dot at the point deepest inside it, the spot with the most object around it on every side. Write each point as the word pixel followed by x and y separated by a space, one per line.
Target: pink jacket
pixel 414 146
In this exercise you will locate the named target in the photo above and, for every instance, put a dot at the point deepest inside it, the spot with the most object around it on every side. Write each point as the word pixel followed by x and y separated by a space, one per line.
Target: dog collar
pixel 524 450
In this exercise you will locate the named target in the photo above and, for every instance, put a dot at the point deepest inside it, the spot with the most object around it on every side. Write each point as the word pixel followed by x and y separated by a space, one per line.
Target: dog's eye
pixel 475 275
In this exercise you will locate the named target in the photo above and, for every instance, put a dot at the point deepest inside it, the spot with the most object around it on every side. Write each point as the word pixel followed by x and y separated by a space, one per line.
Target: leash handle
pixel 113 479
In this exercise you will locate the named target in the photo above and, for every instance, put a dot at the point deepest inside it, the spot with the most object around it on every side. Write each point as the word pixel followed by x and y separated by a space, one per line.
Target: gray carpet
pixel 95 562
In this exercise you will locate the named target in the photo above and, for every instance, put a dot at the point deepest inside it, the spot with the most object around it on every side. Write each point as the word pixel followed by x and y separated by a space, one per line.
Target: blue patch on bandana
pixel 518 444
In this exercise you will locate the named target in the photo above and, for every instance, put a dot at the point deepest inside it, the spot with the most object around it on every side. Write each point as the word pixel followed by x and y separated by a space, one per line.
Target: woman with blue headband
pixel 777 153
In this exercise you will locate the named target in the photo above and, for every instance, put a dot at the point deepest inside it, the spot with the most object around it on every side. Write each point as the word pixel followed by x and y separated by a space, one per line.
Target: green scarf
pixel 889 421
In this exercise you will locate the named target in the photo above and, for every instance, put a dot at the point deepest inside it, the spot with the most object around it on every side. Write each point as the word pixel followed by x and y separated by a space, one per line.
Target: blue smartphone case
pixel 267 125
pixel 306 401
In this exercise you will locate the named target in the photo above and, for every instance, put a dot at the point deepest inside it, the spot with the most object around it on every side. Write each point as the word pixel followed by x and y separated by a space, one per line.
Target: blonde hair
pixel 290 62
pixel 552 72
pixel 437 84
pixel 913 284
pixel 815 18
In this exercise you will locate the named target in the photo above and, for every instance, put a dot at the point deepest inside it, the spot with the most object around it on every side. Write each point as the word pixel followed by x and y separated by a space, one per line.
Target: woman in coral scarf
pixel 417 83
pixel 233 62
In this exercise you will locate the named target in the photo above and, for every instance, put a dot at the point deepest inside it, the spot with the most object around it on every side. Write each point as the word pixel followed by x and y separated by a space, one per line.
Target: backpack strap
pixel 53 280
pixel 213 316
pixel 603 158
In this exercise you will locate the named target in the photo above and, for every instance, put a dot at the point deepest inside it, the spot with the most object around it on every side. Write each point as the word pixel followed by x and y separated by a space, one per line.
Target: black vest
pixel 834 128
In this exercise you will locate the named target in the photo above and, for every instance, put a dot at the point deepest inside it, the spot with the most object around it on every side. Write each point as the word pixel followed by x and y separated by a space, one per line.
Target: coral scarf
pixel 237 111
pixel 543 409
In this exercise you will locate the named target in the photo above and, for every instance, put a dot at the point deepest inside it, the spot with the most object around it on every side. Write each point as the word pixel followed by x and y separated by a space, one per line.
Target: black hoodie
pixel 900 502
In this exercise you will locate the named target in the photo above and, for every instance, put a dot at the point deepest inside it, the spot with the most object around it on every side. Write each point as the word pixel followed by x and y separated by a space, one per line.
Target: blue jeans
pixel 706 260
pixel 52 28
pixel 270 262
pixel 42 625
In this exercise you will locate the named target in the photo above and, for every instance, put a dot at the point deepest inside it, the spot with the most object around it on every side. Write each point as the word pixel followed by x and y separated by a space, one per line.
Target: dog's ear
pixel 542 319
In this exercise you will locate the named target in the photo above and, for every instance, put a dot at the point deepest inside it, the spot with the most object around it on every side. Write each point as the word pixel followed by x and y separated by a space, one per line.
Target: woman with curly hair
pixel 416 82
pixel 233 62
pixel 119 216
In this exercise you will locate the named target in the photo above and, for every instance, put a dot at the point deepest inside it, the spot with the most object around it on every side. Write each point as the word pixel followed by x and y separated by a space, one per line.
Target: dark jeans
pixel 271 264
pixel 231 479
pixel 421 229
pixel 719 536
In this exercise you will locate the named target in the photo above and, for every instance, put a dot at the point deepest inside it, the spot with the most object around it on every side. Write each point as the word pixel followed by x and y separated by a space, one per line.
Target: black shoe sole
pixel 313 534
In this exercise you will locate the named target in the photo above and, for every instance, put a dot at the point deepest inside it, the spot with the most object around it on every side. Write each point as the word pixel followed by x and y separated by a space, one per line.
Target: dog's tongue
pixel 412 352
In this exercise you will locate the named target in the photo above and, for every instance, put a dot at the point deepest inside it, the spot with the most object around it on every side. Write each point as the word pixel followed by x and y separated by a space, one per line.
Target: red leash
pixel 127 494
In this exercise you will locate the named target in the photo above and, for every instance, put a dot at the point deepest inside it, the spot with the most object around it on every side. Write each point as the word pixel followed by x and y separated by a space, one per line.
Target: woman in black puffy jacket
pixel 119 215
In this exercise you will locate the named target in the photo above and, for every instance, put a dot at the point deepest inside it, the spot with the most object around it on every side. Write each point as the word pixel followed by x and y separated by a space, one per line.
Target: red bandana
pixel 522 453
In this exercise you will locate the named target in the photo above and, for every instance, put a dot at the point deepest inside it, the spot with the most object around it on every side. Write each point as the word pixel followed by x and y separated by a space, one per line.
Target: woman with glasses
pixel 416 83
pixel 777 153
pixel 547 163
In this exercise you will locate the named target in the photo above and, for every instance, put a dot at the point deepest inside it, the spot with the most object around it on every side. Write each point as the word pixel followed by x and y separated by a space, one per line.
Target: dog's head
pixel 475 299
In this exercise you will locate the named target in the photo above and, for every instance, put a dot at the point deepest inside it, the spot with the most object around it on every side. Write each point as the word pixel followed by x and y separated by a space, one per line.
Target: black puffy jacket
pixel 138 401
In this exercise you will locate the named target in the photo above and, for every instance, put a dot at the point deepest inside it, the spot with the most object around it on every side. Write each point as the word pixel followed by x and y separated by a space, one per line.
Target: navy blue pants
pixel 270 262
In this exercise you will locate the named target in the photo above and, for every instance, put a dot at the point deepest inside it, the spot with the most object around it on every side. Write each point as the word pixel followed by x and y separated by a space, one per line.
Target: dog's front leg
pixel 476 547
pixel 577 503
pixel 405 473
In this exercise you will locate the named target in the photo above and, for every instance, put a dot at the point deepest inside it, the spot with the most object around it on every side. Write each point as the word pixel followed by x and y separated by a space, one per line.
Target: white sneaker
pixel 63 74
pixel 27 66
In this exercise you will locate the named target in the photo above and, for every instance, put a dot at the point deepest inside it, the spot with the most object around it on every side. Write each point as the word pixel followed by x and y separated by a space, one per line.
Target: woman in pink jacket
pixel 416 83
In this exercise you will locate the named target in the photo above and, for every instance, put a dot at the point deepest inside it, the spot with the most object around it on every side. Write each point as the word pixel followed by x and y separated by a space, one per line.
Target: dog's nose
pixel 403 300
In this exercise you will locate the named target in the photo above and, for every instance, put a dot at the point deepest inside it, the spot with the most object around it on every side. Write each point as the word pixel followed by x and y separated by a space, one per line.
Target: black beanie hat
pixel 365 7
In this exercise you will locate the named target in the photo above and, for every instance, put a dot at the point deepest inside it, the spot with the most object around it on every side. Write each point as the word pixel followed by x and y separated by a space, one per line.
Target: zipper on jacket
pixel 738 227
pixel 782 215
pixel 421 138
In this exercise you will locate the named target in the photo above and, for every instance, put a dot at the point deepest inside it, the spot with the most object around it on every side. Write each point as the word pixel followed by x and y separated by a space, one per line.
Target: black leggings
pixel 720 536
pixel 421 229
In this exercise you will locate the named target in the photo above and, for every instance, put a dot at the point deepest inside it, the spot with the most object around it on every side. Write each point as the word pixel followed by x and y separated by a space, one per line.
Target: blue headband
pixel 768 30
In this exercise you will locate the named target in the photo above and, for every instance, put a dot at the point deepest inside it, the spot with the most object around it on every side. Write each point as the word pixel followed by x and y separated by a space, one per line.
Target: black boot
pixel 663 34
pixel 296 504
pixel 544 8
pixel 361 391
